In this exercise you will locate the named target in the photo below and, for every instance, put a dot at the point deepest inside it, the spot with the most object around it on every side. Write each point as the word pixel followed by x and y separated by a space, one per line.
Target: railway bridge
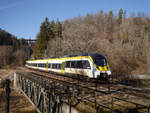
pixel 49 95
pixel 30 42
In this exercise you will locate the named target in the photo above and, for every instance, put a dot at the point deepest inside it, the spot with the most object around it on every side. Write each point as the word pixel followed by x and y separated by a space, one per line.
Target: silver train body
pixel 92 65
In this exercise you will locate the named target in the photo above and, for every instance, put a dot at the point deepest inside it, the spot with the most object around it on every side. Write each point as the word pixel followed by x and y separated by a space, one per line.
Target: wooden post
pixel 15 80
pixel 7 90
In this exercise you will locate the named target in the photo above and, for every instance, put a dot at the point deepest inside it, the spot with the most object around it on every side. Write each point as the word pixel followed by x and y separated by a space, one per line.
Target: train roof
pixel 92 55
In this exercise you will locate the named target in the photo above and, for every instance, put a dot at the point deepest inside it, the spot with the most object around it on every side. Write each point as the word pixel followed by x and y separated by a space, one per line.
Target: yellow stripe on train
pixel 103 68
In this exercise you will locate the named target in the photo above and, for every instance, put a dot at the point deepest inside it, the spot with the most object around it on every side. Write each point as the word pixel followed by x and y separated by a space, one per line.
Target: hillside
pixel 13 51
pixel 123 40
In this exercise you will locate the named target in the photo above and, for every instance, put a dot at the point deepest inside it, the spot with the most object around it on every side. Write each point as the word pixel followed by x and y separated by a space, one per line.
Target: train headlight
pixel 100 68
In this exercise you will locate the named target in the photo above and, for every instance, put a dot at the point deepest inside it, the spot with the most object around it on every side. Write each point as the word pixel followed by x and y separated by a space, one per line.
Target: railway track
pixel 107 95
pixel 105 86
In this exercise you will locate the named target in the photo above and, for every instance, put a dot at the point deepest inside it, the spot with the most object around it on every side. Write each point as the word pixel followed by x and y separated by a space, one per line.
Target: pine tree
pixel 58 37
pixel 120 15
pixel 52 29
pixel 58 29
pixel 110 24
pixel 42 39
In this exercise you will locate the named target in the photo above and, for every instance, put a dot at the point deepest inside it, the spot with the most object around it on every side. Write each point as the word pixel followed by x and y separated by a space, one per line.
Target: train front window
pixel 100 62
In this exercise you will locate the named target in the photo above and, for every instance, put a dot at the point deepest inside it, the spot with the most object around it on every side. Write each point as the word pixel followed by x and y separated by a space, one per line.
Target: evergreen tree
pixel 111 13
pixel 42 39
pixel 44 29
pixel 52 29
pixel 58 29
pixel 110 22
pixel 120 15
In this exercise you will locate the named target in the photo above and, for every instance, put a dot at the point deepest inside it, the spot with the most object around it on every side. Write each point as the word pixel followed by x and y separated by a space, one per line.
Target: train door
pixel 87 68
pixel 47 66
pixel 63 67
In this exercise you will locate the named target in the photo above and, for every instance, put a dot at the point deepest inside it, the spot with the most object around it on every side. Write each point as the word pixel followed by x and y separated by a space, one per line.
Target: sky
pixel 23 18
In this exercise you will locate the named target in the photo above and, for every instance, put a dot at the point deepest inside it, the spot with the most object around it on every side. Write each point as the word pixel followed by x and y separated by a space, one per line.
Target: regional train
pixel 92 65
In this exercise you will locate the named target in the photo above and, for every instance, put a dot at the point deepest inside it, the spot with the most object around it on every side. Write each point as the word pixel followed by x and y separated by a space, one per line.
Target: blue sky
pixel 23 18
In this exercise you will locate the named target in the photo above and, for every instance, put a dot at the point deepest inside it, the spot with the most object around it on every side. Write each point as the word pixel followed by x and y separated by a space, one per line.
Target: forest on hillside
pixel 123 40
pixel 13 51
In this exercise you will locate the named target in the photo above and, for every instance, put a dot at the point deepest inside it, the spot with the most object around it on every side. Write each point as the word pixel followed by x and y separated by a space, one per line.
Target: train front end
pixel 101 68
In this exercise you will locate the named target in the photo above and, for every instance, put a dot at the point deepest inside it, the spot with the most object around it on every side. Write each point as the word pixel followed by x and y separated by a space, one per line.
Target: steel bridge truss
pixel 48 95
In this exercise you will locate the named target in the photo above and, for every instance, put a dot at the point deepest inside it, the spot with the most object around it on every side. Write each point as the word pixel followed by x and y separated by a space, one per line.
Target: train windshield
pixel 100 62
pixel 98 59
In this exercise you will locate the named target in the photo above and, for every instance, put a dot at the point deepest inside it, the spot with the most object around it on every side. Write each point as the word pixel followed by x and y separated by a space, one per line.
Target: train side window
pixel 49 65
pixel 75 64
pixel 42 65
pixel 56 66
pixel 67 64
pixel 59 66
pixel 79 64
pixel 86 64
pixel 72 64
pixel 53 65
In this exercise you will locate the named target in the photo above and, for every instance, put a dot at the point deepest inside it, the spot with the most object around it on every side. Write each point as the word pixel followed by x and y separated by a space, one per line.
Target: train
pixel 91 65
